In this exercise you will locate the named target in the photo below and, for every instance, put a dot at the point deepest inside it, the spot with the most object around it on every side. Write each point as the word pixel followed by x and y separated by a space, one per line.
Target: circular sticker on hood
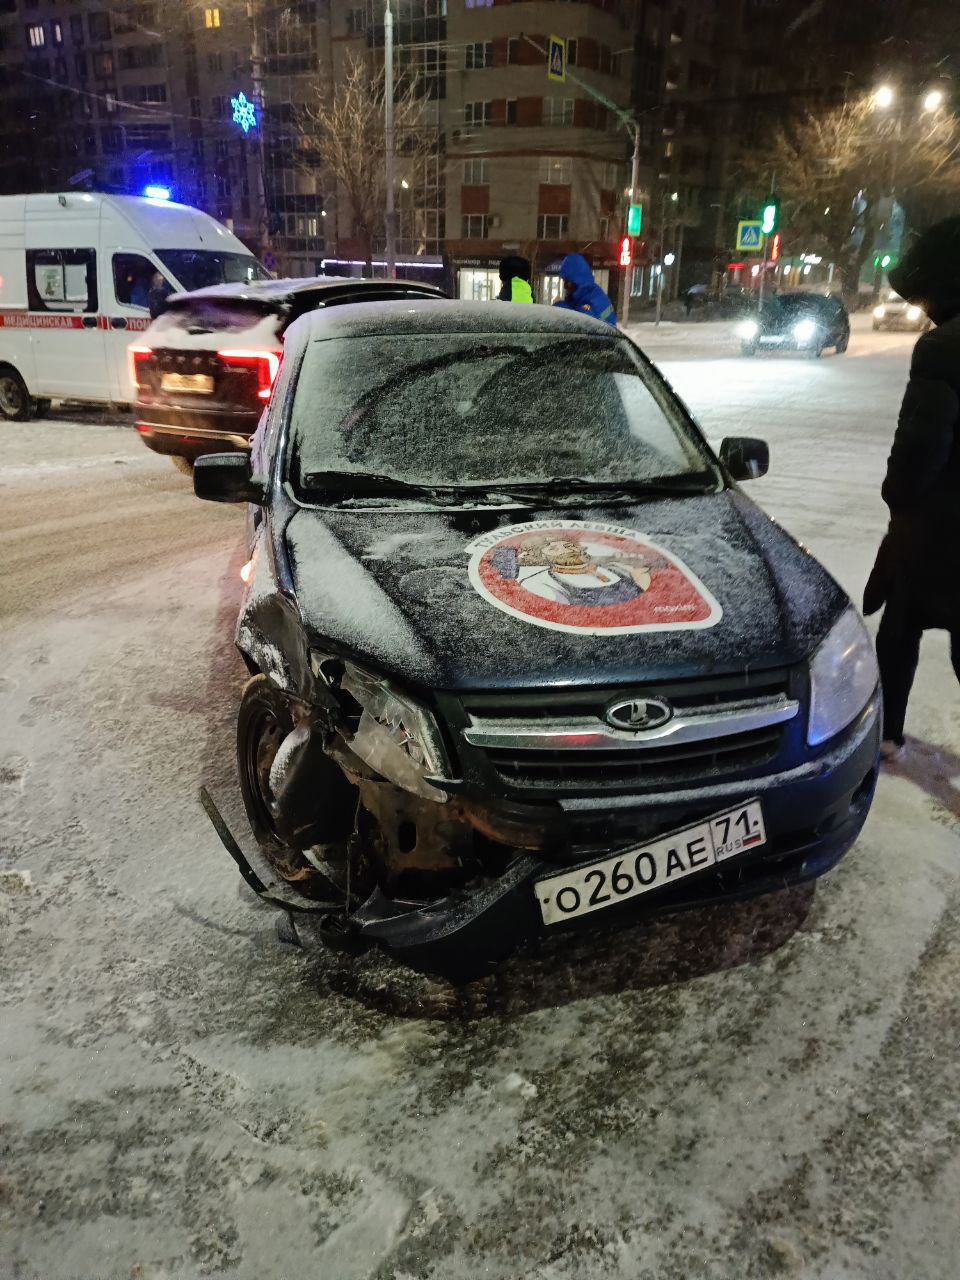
pixel 596 579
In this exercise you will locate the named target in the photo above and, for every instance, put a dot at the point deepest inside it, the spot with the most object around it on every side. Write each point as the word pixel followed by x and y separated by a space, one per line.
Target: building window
pixel 103 65
pixel 557 111
pixel 357 22
pixel 474 226
pixel 604 229
pixel 214 61
pixel 76 28
pixel 98 24
pixel 571 53
pixel 476 173
pixel 556 170
pixel 552 226
pixel 611 176
pixel 211 18
pixel 476 114
pixel 477 55
pixel 56 33
pixel 510 115
pixel 36 36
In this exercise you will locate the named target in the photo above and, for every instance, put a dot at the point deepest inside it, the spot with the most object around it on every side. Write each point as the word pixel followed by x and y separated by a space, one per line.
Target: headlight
pixel 748 329
pixel 843 675
pixel 804 330
pixel 913 313
pixel 880 311
pixel 396 736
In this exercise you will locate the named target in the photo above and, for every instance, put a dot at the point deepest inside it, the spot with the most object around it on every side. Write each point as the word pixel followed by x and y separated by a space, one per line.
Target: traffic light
pixel 634 219
pixel 769 215
pixel 775 247
pixel 626 252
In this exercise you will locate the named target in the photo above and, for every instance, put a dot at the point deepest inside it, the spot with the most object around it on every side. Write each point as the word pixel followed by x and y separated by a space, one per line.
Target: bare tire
pixel 183 465
pixel 15 402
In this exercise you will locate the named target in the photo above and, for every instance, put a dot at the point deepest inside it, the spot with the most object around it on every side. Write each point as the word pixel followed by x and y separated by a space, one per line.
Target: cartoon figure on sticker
pixel 590 578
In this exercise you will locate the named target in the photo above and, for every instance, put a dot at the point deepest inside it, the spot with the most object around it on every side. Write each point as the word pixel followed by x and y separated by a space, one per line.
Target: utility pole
pixel 626 279
pixel 389 158
pixel 766 242
pixel 256 76
pixel 663 247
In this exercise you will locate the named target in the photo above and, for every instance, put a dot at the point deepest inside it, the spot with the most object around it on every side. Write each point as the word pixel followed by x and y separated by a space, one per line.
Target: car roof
pixel 415 315
pixel 275 291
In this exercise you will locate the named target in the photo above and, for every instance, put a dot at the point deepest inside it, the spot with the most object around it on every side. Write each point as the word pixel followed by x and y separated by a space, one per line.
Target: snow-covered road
pixel 741 1093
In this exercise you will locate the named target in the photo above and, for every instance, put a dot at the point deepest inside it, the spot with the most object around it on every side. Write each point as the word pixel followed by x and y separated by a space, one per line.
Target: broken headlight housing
pixel 396 736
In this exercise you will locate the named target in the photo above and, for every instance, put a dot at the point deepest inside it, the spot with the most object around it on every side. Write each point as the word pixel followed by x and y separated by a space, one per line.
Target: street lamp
pixel 933 100
pixel 883 97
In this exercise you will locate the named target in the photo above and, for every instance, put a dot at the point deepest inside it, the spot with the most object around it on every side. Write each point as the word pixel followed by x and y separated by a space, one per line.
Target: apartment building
pixel 535 167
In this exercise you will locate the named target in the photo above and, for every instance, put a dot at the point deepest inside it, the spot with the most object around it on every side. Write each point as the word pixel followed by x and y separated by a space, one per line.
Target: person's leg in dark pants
pixel 898 648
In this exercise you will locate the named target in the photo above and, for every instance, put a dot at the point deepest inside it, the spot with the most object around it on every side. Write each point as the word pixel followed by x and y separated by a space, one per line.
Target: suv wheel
pixel 15 403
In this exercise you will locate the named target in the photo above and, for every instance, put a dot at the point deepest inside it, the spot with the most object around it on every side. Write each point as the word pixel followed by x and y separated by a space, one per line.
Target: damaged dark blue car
pixel 522 653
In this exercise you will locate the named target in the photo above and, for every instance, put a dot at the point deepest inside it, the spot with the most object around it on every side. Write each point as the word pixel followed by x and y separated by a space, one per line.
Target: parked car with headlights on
pixel 807 322
pixel 522 653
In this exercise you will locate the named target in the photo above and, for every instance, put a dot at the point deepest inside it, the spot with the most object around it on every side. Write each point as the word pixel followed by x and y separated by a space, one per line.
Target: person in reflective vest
pixel 515 280
pixel 581 291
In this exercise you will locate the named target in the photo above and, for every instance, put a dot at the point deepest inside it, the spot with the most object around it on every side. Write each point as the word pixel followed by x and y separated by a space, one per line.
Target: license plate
pixel 199 383
pixel 667 859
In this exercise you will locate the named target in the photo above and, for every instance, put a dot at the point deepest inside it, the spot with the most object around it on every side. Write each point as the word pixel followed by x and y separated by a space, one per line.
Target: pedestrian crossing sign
pixel 749 236
pixel 557 59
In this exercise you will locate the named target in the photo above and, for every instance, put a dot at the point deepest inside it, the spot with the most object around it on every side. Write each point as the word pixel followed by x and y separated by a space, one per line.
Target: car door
pixel 68 337
pixel 129 277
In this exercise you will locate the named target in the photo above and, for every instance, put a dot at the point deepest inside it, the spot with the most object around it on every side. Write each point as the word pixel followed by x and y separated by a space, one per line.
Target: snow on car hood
pixel 491 599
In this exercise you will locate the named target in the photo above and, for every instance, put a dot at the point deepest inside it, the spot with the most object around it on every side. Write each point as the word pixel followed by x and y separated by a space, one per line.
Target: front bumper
pixel 813 814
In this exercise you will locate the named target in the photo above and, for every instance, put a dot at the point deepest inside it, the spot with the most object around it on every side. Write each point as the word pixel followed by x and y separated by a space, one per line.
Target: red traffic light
pixel 626 252
pixel 775 247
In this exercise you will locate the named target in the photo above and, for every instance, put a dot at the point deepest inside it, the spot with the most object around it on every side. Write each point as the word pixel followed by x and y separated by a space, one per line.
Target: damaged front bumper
pixel 813 813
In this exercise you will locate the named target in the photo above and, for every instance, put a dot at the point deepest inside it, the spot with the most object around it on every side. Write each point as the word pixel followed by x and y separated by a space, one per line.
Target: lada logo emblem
pixel 639 714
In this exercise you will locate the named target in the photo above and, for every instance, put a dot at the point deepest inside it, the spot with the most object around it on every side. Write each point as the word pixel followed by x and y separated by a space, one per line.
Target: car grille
pixel 627 767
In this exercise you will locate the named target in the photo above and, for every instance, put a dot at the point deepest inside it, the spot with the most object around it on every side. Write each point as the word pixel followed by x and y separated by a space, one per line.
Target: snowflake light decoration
pixel 244 112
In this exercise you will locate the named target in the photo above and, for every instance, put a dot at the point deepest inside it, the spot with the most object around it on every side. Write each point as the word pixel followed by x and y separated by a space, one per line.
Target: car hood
pixel 407 592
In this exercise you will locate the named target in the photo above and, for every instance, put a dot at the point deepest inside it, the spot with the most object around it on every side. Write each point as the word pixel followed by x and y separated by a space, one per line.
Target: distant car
pixel 895 313
pixel 521 650
pixel 204 368
pixel 807 322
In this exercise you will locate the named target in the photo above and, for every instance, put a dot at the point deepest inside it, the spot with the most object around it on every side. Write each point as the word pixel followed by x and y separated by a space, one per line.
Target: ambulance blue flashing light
pixel 153 192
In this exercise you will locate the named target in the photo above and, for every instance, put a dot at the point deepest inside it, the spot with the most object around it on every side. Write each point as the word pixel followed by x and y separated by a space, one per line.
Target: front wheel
pixel 15 402
pixel 843 344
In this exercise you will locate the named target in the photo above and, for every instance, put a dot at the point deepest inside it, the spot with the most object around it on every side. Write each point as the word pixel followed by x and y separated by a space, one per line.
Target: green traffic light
pixel 885 261
pixel 634 219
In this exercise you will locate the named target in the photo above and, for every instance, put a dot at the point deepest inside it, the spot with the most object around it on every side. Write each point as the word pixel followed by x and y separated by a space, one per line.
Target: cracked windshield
pixel 479 711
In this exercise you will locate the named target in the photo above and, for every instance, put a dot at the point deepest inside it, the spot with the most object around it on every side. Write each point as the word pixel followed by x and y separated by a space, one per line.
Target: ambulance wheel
pixel 41 408
pixel 15 403
pixel 183 465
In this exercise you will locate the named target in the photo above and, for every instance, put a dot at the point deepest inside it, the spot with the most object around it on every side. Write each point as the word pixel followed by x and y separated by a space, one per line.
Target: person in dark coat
pixel 916 576
pixel 581 292
pixel 515 280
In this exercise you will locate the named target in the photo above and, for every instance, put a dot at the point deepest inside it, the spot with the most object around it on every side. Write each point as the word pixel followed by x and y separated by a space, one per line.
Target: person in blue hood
pixel 581 292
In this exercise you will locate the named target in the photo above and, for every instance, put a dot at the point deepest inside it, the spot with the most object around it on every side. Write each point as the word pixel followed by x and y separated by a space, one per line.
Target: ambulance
pixel 78 273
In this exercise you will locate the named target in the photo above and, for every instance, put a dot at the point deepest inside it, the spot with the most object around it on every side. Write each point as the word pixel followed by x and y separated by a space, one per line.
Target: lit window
pixel 211 18
pixel 556 170
pixel 36 37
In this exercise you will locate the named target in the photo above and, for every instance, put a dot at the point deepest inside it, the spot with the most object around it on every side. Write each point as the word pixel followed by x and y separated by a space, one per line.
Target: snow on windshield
pixel 485 408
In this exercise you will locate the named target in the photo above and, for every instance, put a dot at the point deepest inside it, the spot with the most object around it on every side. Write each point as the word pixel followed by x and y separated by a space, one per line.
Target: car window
pixel 200 268
pixel 486 408
pixel 133 278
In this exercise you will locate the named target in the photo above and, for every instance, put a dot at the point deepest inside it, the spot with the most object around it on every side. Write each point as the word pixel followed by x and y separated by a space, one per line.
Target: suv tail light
pixel 136 356
pixel 264 363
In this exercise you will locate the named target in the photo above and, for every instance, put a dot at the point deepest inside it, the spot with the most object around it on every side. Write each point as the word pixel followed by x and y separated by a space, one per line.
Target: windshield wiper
pixel 558 486
pixel 367 484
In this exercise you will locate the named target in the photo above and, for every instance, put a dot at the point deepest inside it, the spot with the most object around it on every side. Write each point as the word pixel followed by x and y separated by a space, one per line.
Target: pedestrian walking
pixel 581 292
pixel 916 577
pixel 515 280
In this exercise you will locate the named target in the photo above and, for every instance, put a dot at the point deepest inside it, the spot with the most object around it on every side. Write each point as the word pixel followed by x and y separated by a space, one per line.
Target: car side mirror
pixel 227 477
pixel 745 457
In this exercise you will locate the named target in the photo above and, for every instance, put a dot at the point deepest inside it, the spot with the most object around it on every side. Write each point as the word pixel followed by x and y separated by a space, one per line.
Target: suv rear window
pixel 220 315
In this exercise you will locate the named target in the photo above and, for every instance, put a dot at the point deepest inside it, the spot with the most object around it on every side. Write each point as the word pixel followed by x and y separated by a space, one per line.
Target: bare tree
pixel 836 170
pixel 342 131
